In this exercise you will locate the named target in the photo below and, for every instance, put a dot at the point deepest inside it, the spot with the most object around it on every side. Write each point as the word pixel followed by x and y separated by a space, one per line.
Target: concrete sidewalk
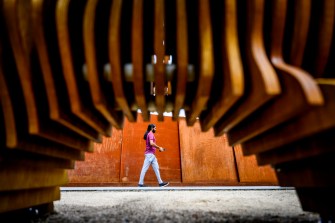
pixel 187 188
pixel 169 204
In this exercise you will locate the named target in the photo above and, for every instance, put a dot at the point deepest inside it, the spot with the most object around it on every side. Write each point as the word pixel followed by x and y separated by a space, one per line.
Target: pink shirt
pixel 148 148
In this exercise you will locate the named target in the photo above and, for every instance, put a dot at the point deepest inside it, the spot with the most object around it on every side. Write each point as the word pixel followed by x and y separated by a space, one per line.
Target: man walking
pixel 150 158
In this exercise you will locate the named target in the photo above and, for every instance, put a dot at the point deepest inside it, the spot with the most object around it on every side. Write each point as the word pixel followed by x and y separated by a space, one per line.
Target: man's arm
pixel 161 149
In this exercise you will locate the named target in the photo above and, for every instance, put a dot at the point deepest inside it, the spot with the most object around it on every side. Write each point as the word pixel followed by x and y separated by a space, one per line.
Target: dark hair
pixel 150 127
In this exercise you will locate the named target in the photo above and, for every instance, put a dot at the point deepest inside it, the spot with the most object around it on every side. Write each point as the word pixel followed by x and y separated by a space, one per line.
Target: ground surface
pixel 180 206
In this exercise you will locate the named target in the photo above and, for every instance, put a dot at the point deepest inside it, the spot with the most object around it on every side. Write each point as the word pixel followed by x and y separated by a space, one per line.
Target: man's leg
pixel 155 166
pixel 145 167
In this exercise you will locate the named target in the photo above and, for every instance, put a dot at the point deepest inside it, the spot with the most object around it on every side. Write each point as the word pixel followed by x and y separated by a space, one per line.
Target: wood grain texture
pixel 233 76
pixel 159 51
pixel 325 36
pixel 15 200
pixel 45 43
pixel 72 61
pixel 7 109
pixel 137 55
pixel 10 157
pixel 182 56
pixel 21 46
pixel 295 82
pixel 16 123
pixel 21 177
pixel 28 72
pixel 94 73
pixel 204 158
pixel 320 38
pixel 206 63
pixel 314 121
pixel 250 171
pixel 133 147
pixel 306 148
pixel 115 47
pixel 262 81
pixel 302 13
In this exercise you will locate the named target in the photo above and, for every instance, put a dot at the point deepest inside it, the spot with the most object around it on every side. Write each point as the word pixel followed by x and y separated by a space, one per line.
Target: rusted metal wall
pixel 250 172
pixel 205 158
pixel 103 165
pixel 192 157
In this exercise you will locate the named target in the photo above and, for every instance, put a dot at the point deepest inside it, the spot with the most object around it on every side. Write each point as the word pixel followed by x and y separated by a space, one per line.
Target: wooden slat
pixel 44 26
pixel 325 34
pixel 182 56
pixel 21 46
pixel 21 158
pixel 294 81
pixel 89 35
pixel 317 52
pixel 137 43
pixel 233 76
pixel 40 146
pixel 22 177
pixel 18 138
pixel 314 121
pixel 40 124
pixel 15 200
pixel 310 173
pixel 16 125
pixel 302 14
pixel 206 63
pixel 312 146
pixel 114 44
pixel 148 52
pixel 159 51
pixel 7 107
pixel 46 67
pixel 67 30
pixel 262 81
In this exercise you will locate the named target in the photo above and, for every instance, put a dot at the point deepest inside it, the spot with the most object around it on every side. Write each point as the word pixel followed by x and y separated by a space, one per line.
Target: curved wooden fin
pixel 94 72
pixel 325 37
pixel 311 122
pixel 159 52
pixel 29 75
pixel 294 82
pixel 262 82
pixel 302 14
pixel 232 87
pixel 182 56
pixel 115 46
pixel 45 42
pixel 137 58
pixel 70 42
pixel 206 63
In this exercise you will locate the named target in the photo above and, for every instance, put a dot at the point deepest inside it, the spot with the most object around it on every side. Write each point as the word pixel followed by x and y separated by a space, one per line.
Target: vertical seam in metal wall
pixel 180 158
pixel 121 152
pixel 235 164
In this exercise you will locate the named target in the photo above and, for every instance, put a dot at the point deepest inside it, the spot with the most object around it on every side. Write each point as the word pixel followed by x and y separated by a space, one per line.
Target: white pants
pixel 150 159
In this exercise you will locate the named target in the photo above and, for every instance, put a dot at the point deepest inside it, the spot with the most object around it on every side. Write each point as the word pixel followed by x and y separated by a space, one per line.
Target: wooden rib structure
pixel 261 72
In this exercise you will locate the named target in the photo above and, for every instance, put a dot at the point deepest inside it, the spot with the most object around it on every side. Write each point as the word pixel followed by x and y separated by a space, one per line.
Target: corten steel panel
pixel 101 166
pixel 250 172
pixel 133 147
pixel 205 158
